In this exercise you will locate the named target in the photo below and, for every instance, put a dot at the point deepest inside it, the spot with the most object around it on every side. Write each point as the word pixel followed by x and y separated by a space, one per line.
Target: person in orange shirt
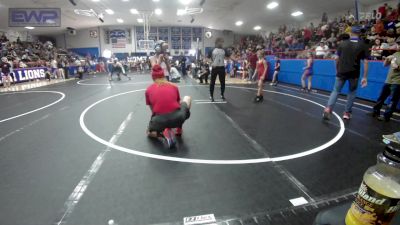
pixel 379 27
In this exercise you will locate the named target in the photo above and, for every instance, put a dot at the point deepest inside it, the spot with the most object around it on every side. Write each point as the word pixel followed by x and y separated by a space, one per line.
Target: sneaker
pixel 169 137
pixel 303 90
pixel 259 99
pixel 347 116
pixel 327 113
pixel 256 99
pixel 223 98
pixel 272 84
pixel 178 132
pixel 212 99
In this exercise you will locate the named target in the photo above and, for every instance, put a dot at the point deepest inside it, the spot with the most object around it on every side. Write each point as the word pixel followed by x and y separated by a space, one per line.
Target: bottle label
pixel 372 208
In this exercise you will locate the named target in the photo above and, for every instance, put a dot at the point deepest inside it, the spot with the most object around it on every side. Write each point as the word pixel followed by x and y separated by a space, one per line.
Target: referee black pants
pixel 220 72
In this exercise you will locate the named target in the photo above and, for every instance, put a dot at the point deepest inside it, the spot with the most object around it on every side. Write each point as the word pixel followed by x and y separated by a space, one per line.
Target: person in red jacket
pixel 168 111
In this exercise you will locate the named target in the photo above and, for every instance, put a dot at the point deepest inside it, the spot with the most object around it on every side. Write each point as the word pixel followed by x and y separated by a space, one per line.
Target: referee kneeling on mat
pixel 168 112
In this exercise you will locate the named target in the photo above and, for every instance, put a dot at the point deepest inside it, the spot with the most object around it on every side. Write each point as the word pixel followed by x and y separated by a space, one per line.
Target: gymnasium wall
pixel 83 39
pixel 325 73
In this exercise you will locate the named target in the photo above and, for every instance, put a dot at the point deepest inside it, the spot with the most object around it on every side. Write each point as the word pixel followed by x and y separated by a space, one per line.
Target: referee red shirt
pixel 163 99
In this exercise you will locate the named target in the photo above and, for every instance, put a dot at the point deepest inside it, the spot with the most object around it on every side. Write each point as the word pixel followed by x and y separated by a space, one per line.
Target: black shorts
pixel 171 120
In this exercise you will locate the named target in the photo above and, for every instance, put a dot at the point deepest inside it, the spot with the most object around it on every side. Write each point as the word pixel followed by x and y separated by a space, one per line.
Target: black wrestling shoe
pixel 223 98
pixel 212 99
pixel 259 99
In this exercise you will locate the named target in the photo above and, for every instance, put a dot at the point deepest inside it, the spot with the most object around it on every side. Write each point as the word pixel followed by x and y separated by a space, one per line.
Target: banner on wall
pixel 118 38
pixel 34 17
pixel 179 37
pixel 21 75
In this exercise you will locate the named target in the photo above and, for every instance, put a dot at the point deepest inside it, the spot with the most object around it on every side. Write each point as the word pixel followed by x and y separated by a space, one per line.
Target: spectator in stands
pixel 60 70
pixel 391 87
pixel 332 41
pixel 379 27
pixel 307 74
pixel 392 44
pixel 252 58
pixel 382 10
pixel 3 39
pixel 376 52
pixel 6 69
pixel 54 69
pixel 277 69
pixel 245 68
pixel 321 51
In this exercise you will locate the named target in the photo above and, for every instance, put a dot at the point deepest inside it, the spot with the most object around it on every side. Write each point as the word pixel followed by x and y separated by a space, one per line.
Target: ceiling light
pixel 181 12
pixel 30 28
pixel 185 2
pixel 119 20
pixel 257 28
pixel 158 11
pixel 95 0
pixel 210 27
pixel 134 11
pixel 140 20
pixel 156 0
pixel 272 5
pixel 125 0
pixel 109 11
pixel 239 23
pixel 297 13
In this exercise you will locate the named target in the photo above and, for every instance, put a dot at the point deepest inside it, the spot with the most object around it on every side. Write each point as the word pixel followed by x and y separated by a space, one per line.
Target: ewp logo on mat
pixel 44 17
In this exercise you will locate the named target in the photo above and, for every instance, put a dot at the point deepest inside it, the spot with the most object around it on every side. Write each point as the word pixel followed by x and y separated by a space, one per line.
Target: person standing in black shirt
pixel 217 57
pixel 183 65
pixel 348 66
